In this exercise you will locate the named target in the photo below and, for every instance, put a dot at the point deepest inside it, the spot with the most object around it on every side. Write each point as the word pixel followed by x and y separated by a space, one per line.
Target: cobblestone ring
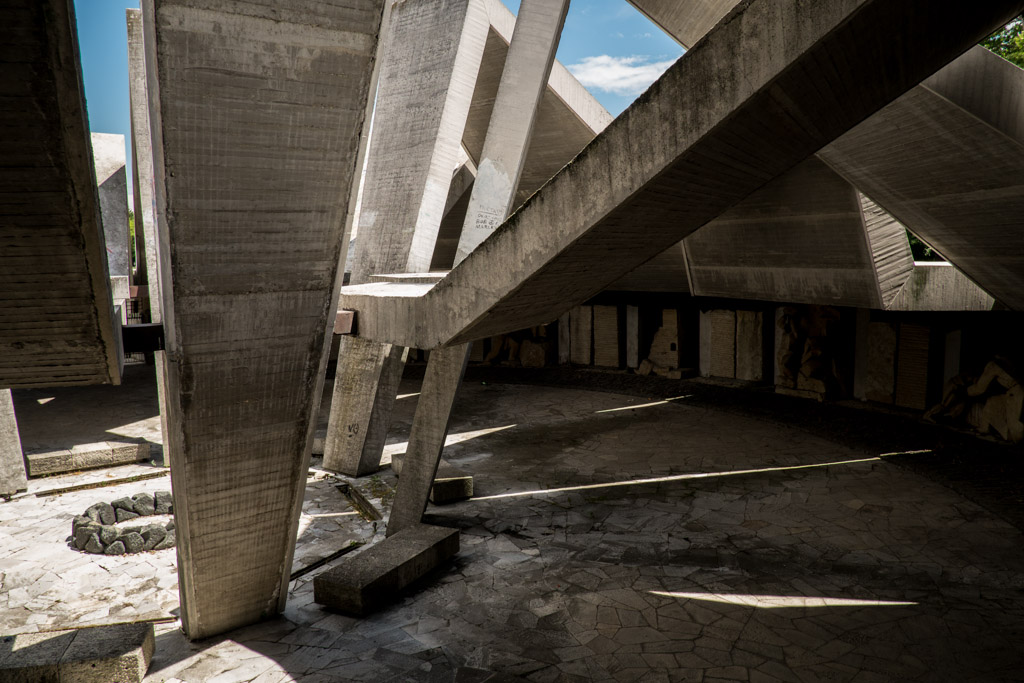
pixel 94 531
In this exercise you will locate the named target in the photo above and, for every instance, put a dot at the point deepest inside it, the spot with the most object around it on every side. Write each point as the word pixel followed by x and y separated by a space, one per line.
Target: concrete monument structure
pixel 108 153
pixel 12 464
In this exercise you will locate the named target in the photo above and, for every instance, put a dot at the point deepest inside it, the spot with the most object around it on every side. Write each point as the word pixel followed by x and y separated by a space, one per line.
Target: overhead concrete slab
pixel 260 110
pixel 767 88
pixel 57 322
pixel 685 20
pixel 947 159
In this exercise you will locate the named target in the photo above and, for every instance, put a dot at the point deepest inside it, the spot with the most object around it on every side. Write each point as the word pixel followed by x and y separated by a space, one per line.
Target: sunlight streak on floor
pixel 644 405
pixel 780 601
pixel 675 477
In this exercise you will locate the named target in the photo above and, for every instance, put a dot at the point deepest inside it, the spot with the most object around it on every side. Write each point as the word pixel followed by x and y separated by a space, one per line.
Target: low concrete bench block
pixel 364 582
pixel 87 456
pixel 101 654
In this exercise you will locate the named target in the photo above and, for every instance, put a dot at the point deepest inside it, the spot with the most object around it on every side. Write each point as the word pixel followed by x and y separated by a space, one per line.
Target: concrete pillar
pixel 531 54
pixel 260 116
pixel 146 237
pixel 426 86
pixel 108 154
pixel 632 336
pixel 12 463
pixel 749 346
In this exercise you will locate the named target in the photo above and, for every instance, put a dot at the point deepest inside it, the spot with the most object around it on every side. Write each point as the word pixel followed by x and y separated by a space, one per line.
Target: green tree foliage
pixel 1008 42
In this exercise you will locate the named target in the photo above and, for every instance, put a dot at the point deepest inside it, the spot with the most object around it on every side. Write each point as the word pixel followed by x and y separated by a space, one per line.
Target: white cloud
pixel 619 75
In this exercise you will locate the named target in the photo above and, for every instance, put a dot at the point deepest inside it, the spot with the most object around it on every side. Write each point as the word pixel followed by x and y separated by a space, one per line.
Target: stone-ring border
pixel 94 530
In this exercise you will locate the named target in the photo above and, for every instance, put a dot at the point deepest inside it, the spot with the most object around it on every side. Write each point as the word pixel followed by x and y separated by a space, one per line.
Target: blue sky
pixel 609 46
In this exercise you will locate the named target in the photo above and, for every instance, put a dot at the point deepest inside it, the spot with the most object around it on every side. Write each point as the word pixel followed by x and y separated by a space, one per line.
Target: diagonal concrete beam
pixel 57 324
pixel 685 20
pixel 770 85
pixel 259 111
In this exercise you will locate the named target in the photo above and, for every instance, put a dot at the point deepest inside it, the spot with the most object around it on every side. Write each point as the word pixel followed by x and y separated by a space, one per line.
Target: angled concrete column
pixel 426 440
pixel 108 154
pixel 12 464
pixel 531 54
pixel 57 324
pixel 260 112
pixel 427 77
pixel 146 237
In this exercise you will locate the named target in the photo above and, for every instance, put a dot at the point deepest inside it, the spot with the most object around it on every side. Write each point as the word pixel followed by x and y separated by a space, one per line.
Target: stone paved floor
pixel 612 538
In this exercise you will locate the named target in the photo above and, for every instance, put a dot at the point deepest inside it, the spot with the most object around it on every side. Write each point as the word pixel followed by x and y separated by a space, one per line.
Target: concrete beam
pixel 744 106
pixel 260 111
pixel 57 322
pixel 947 160
pixel 12 462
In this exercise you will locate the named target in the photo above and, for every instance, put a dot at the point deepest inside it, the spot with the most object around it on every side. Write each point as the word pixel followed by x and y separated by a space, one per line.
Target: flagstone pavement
pixel 611 538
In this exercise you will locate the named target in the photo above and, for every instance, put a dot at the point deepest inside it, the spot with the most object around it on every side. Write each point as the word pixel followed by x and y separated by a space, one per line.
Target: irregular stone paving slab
pixel 103 654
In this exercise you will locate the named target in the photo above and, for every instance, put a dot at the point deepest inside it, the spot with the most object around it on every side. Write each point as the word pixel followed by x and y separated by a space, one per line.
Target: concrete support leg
pixel 527 67
pixel 146 237
pixel 364 394
pixel 12 463
pixel 433 52
pixel 429 430
pixel 251 294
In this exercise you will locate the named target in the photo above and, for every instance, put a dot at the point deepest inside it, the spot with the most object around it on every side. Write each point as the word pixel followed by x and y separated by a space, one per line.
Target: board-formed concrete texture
pixel 947 159
pixel 426 85
pixel 362 583
pixel 685 20
pixel 736 111
pixel 101 654
pixel 108 153
pixel 812 224
pixel 12 463
pixel 521 89
pixel 255 209
pixel 56 318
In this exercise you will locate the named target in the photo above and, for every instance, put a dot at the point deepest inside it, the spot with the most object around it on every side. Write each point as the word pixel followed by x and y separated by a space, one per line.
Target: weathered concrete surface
pixel 745 109
pixel 947 159
pixel 687 21
pixel 364 393
pixel 108 153
pixel 362 583
pixel 521 89
pixel 147 238
pixel 426 440
pixel 938 286
pixel 12 464
pixel 426 85
pixel 801 238
pixel 86 456
pixel 258 257
pixel 56 317
pixel 101 654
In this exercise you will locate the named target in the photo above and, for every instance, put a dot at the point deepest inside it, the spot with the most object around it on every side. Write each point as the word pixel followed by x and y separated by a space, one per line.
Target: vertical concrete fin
pixel 890 249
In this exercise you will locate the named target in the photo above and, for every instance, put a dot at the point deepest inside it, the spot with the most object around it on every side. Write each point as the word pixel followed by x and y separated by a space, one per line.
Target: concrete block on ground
pixel 86 456
pixel 880 375
pixel 718 343
pixel 606 336
pixel 101 654
pixel 632 336
pixel 912 367
pixel 12 463
pixel 362 583
pixel 749 346
pixel 451 484
pixel 665 346
pixel 581 322
pixel 564 340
